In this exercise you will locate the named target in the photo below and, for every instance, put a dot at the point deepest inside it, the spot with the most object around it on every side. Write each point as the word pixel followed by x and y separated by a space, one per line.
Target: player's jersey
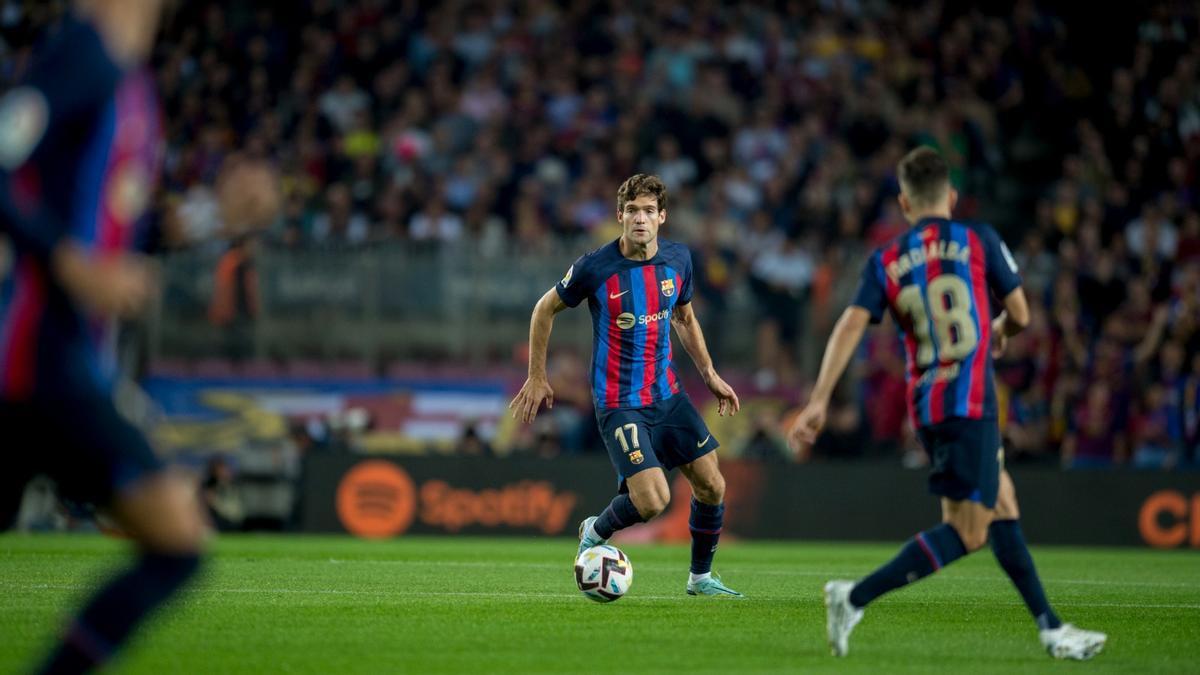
pixel 935 279
pixel 79 152
pixel 631 303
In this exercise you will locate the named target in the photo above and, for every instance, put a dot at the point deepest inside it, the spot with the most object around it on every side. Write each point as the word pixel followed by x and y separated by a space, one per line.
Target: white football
pixel 603 573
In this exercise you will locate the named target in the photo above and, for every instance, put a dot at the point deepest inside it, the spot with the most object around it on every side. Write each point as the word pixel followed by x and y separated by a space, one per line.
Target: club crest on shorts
pixel 636 457
pixel 668 287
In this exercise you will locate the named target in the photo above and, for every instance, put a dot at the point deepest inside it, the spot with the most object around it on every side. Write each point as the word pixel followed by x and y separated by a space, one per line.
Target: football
pixel 603 573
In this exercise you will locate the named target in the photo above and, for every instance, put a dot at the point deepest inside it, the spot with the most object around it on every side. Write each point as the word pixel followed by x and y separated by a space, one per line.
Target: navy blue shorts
pixel 666 434
pixel 966 456
pixel 88 448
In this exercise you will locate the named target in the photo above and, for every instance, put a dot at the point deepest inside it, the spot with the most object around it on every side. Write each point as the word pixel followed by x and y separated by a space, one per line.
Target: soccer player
pixel 636 288
pixel 935 279
pixel 79 148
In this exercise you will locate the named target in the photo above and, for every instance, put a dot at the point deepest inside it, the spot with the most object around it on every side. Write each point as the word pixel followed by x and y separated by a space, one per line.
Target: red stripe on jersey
pixel 671 381
pixel 933 269
pixel 24 316
pixel 983 310
pixel 653 334
pixel 892 288
pixel 612 369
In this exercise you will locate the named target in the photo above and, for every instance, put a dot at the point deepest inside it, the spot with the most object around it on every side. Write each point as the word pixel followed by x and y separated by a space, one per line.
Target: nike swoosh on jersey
pixel 614 296
pixel 701 443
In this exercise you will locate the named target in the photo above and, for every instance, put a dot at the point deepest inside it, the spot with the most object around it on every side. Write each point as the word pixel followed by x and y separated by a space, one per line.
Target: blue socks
pixel 620 514
pixel 1008 545
pixel 113 613
pixel 935 548
pixel 705 523
pixel 923 555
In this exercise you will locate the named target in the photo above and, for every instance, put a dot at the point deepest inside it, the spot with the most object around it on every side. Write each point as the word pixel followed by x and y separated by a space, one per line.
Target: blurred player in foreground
pixel 80 140
pixel 936 279
pixel 637 287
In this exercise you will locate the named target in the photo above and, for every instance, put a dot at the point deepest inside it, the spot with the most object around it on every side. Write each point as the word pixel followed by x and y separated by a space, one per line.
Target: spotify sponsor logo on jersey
pixel 626 320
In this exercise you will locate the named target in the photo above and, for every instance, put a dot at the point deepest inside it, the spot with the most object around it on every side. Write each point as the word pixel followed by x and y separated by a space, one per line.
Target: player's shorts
pixel 666 434
pixel 85 445
pixel 966 456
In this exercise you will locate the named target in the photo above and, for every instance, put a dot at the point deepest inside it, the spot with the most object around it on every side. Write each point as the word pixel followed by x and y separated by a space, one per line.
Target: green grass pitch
pixel 295 604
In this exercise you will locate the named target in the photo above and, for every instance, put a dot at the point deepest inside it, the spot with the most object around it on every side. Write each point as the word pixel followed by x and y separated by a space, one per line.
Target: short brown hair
pixel 642 184
pixel 924 175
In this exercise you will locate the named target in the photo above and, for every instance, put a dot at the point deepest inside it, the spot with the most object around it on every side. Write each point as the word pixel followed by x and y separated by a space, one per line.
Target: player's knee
pixel 185 535
pixel 651 503
pixel 711 491
pixel 973 538
pixel 166 518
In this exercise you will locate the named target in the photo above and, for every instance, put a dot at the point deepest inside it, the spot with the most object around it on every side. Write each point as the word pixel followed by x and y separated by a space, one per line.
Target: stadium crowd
pixel 776 127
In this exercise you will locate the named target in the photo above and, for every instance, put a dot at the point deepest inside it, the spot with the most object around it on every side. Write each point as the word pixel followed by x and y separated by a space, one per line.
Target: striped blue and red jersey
pixel 631 302
pixel 78 159
pixel 938 280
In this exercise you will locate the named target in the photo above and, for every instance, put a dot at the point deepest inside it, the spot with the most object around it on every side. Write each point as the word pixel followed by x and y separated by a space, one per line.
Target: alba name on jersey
pixel 79 150
pixel 631 303
pixel 935 279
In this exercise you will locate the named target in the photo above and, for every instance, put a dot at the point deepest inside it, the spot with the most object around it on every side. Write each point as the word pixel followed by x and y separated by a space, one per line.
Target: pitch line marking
pixel 788 573
pixel 555 596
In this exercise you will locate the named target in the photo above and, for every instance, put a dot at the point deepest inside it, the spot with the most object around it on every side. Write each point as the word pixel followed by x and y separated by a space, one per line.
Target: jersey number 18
pixel 949 303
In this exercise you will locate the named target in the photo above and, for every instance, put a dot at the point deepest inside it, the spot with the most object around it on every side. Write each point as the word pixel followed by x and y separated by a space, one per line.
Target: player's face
pixel 641 218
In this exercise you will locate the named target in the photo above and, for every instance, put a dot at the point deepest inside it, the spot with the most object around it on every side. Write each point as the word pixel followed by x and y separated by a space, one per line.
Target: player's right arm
pixel 870 302
pixel 537 386
pixel 576 285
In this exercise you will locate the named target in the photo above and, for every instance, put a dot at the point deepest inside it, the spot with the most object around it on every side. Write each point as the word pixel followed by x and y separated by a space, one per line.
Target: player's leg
pixel 1009 547
pixel 966 476
pixel 644 495
pixel 705 522
pixel 159 511
pixel 644 492
pixel 688 444
pixel 963 529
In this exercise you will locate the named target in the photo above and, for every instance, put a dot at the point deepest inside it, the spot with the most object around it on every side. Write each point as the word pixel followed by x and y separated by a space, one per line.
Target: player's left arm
pixel 687 327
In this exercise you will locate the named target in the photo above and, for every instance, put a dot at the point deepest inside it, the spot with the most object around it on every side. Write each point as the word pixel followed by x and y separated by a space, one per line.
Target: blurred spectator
pixel 344 103
pixel 220 495
pixel 780 276
pixel 1153 445
pixel 435 223
pixel 234 306
pixel 341 223
pixel 1096 439
pixel 471 444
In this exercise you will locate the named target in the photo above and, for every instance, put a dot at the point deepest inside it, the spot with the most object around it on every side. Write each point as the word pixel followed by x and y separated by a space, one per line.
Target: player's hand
pixel 117 285
pixel 999 337
pixel 527 402
pixel 808 425
pixel 727 400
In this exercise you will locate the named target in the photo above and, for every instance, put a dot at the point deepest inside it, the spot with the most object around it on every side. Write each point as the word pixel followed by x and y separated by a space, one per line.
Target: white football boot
pixel 840 615
pixel 1069 642
pixel 586 540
